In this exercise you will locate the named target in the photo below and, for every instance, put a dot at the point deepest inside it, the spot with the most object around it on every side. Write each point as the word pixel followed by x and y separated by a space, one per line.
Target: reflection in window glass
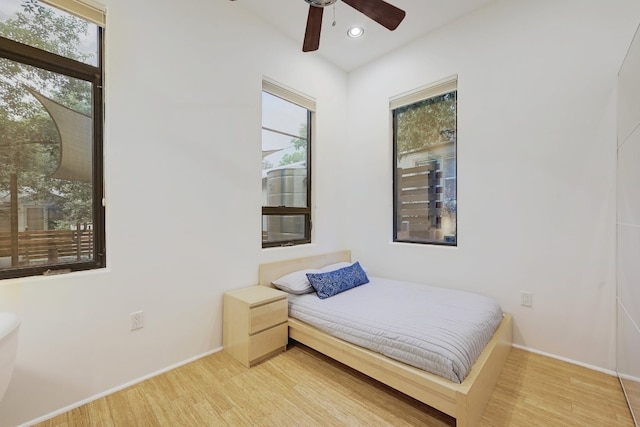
pixel 51 213
pixel 282 116
pixel 425 201
pixel 45 27
pixel 286 213
pixel 46 196
pixel 278 228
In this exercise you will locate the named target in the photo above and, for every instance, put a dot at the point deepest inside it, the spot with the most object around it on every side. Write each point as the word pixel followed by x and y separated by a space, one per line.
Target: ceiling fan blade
pixel 380 11
pixel 312 33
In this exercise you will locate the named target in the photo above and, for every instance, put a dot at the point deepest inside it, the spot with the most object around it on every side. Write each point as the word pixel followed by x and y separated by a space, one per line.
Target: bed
pixel 464 401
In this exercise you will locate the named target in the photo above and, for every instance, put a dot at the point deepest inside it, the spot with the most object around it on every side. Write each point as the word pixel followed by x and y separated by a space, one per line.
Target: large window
pixel 286 166
pixel 425 178
pixel 51 183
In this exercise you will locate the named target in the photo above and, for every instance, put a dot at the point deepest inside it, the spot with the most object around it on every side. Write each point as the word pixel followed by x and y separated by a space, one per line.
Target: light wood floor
pixel 304 388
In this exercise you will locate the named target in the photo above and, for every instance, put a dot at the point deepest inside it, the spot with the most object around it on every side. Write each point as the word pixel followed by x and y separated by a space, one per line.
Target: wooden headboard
pixel 271 271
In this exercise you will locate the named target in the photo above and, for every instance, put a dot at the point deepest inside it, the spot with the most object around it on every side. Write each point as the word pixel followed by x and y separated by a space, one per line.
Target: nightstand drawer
pixel 268 341
pixel 254 325
pixel 268 315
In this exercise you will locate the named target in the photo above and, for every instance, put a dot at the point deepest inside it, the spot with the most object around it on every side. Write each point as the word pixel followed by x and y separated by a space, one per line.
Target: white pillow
pixel 336 266
pixel 296 282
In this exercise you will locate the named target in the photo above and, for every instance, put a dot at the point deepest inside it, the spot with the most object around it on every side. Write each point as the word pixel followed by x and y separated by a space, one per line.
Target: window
pixel 286 166
pixel 425 175
pixel 51 183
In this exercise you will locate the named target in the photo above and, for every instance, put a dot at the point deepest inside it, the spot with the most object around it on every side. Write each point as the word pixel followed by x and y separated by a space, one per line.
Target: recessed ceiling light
pixel 355 32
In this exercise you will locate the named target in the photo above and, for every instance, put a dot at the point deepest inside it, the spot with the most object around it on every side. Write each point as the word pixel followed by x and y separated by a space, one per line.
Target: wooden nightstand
pixel 255 323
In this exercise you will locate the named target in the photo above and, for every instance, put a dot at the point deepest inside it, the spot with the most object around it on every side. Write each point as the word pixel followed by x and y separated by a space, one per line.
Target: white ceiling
pixel 290 17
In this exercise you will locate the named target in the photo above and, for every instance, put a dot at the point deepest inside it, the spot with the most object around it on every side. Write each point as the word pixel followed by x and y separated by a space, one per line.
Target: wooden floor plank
pixel 304 388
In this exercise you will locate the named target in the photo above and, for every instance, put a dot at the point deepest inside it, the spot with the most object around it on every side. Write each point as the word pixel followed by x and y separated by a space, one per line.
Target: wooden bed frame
pixel 465 402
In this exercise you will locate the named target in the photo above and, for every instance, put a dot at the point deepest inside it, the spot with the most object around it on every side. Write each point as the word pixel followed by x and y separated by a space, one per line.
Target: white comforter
pixel 439 330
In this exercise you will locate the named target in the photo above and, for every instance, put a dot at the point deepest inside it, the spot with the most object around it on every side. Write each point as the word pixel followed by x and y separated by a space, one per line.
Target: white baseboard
pixel 564 359
pixel 118 388
pixel 629 377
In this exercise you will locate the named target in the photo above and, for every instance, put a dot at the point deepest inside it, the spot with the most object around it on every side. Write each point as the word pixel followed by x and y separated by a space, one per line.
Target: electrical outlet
pixel 526 299
pixel 136 320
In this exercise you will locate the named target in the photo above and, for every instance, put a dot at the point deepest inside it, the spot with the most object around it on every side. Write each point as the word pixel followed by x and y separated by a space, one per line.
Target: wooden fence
pixel 48 245
pixel 419 201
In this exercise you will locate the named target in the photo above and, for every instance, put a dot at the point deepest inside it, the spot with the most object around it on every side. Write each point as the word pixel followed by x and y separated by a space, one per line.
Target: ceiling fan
pixel 380 11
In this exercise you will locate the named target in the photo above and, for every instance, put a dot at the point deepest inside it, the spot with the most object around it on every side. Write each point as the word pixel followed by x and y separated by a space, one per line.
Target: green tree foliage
pixel 29 140
pixel 300 145
pixel 426 123
pixel 44 28
pixel 76 209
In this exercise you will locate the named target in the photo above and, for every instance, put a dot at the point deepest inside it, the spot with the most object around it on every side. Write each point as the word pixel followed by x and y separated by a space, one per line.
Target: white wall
pixel 536 165
pixel 183 155
pixel 628 221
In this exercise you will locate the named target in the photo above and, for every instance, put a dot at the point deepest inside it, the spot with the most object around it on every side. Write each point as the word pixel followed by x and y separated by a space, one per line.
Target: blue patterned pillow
pixel 333 282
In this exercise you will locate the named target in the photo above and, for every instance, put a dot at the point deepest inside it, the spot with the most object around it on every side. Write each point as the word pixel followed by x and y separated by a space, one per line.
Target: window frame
pixel 33 56
pixel 305 102
pixel 439 88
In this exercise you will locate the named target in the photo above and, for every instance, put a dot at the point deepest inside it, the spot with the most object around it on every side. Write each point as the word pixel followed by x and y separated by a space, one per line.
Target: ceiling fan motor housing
pixel 321 3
